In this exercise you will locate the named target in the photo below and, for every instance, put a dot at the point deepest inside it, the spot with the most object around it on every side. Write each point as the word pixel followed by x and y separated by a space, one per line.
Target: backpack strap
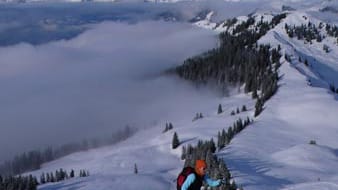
pixel 187 171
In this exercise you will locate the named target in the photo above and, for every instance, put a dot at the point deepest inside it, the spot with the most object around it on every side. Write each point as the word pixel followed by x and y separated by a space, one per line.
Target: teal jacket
pixel 191 178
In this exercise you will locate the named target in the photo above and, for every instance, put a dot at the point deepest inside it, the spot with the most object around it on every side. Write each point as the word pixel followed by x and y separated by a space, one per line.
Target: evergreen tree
pixel 175 141
pixel 62 174
pixel 66 175
pixel 171 126
pixel 225 137
pixel 48 178
pixel 72 173
pixel 135 169
pixel 312 142
pixel 212 146
pixel 31 183
pixel 220 140
pixel 57 176
pixel 1 183
pixel 166 127
pixel 42 178
pixel 258 107
pixel 254 94
pixel 233 186
pixel 230 133
pixel 244 108
pixel 220 110
pixel 326 48
pixel 332 88
pixel 184 152
pixel 36 183
pixel 52 178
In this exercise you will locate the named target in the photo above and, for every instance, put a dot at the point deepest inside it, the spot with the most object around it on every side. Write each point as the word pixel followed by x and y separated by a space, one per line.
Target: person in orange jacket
pixel 194 181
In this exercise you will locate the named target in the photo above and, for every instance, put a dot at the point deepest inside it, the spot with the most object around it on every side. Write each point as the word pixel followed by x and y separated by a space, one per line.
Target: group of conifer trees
pixel 216 168
pixel 310 31
pixel 233 112
pixel 224 137
pixel 332 30
pixel 238 60
pixel 30 182
pixel 18 183
pixel 60 175
pixel 333 89
pixel 197 116
pixel 305 32
pixel 205 150
pixel 32 160
pixel 168 126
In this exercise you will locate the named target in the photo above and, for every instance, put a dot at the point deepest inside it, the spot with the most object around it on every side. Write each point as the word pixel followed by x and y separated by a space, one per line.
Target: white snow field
pixel 272 153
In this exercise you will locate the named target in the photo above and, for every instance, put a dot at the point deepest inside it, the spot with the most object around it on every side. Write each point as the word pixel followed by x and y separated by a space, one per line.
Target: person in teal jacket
pixel 194 181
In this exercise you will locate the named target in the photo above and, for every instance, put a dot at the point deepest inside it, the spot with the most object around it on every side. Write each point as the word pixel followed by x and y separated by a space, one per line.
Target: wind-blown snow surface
pixel 275 151
pixel 272 153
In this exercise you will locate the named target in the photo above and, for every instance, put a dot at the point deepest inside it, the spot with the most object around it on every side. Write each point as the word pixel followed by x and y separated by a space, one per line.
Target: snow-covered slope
pixel 158 164
pixel 275 151
pixel 272 153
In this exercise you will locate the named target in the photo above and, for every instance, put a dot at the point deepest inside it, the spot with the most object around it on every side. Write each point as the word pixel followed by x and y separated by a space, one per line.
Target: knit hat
pixel 200 164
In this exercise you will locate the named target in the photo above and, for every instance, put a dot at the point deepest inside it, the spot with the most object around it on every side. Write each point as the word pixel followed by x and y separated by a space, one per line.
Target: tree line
pixel 307 32
pixel 30 182
pixel 33 160
pixel 18 183
pixel 238 60
pixel 332 30
pixel 224 137
pixel 60 175
pixel 310 31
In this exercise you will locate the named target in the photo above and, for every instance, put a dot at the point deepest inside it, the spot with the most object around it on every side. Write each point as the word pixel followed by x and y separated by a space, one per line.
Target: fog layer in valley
pixel 104 79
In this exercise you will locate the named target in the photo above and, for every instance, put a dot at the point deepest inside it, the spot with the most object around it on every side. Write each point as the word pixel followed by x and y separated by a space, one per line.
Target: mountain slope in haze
pixel 272 153
pixel 275 3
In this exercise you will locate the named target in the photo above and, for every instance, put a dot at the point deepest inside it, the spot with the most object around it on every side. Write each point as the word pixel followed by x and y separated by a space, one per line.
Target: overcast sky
pixel 97 82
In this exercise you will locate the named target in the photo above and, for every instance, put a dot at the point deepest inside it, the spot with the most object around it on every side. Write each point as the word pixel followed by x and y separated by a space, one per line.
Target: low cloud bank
pixel 96 83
